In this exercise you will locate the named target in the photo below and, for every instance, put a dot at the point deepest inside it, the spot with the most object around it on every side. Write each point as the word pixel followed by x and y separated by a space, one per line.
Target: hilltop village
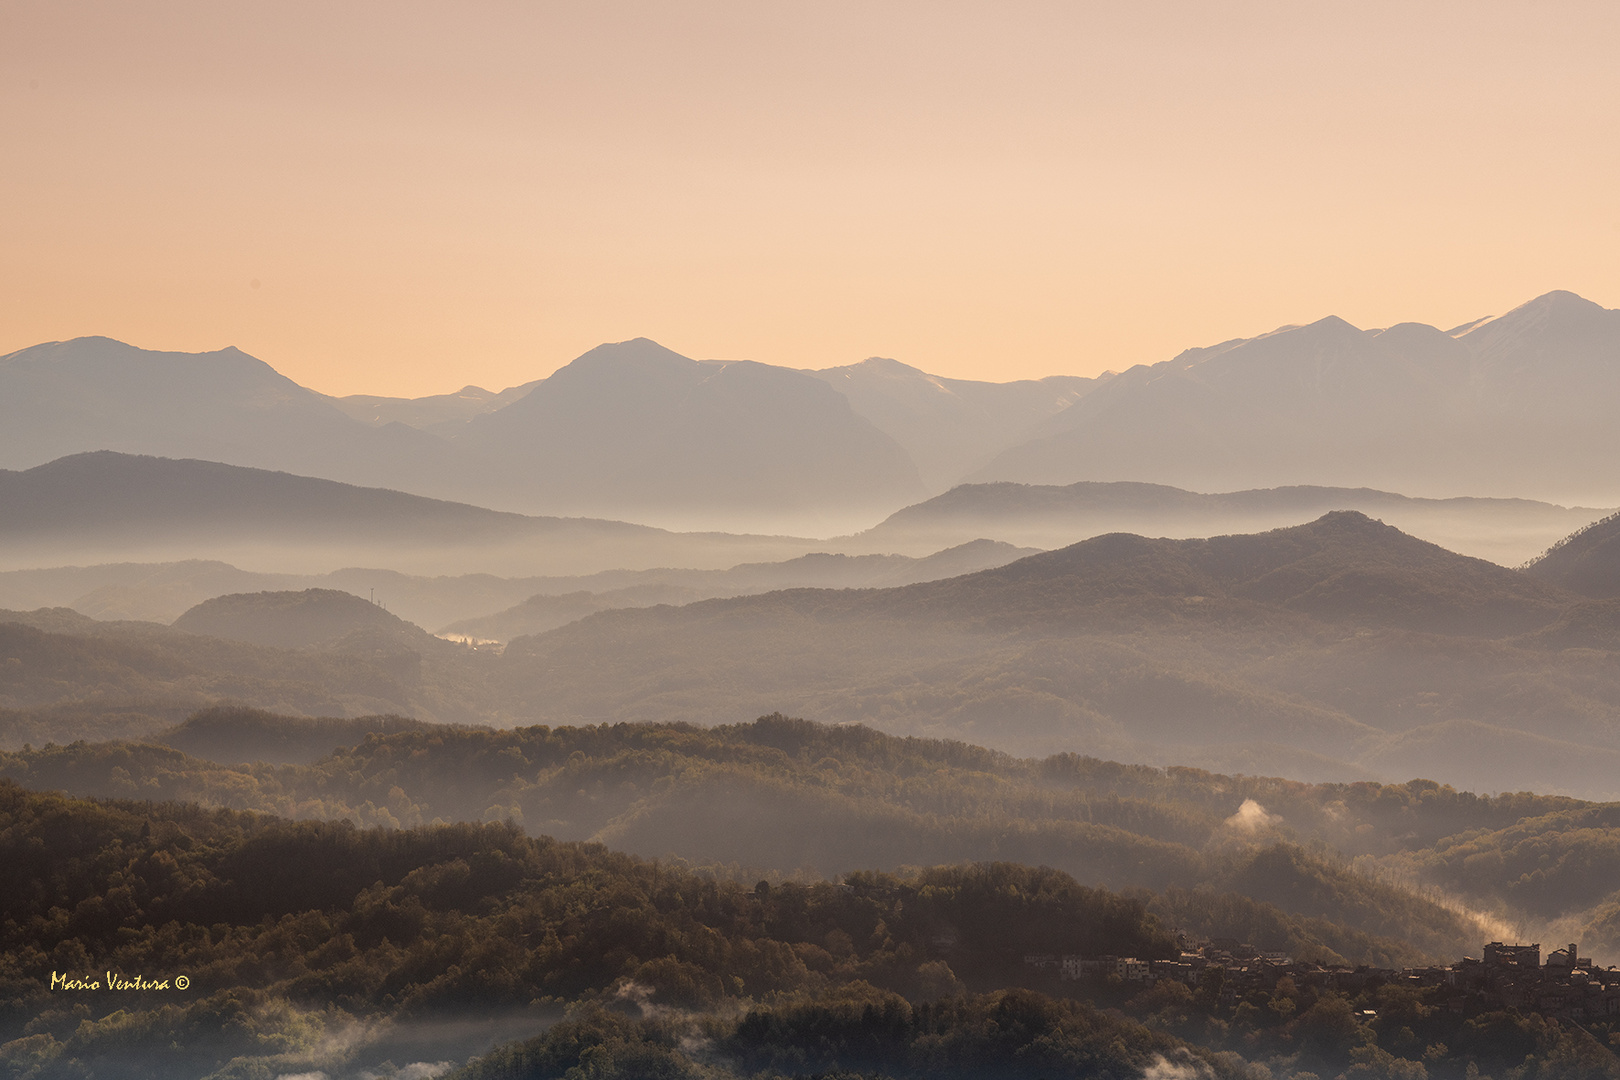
pixel 1567 986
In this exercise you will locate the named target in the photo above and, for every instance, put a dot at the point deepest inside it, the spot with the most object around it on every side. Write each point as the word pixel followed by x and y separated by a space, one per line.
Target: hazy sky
pixel 404 197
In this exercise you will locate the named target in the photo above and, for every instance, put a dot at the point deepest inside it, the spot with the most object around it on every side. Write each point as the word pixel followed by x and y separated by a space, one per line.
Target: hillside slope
pixel 950 426
pixel 1506 531
pixel 652 434
pixel 1586 561
pixel 1313 651
pixel 111 507
pixel 94 393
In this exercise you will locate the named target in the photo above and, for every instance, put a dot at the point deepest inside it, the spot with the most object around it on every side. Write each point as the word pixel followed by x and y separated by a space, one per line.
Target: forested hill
pixel 161 940
pixel 1330 870
pixel 1338 650
pixel 389 929
pixel 1587 562
pixel 304 619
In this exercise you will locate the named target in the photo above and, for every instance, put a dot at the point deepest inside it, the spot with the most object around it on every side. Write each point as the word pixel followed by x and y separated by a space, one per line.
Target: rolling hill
pixel 545 611
pixel 111 507
pixel 1506 531
pixel 1587 561
pixel 1338 650
pixel 1315 651
pixel 311 618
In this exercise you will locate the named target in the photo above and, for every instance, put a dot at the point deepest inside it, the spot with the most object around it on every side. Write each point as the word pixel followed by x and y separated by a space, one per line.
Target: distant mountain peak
pixel 883 365
pixel 1558 306
pixel 1561 298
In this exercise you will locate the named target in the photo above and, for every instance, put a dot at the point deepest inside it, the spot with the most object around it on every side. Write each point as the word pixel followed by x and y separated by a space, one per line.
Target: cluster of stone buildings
pixel 1566 986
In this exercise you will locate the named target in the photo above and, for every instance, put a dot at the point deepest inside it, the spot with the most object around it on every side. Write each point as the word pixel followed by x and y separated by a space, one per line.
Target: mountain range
pixel 1513 406
pixel 1519 405
pixel 1338 650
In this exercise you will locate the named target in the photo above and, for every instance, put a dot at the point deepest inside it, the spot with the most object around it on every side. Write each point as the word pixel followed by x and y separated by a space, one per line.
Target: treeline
pixel 292 933
pixel 858 1032
pixel 325 916
pixel 782 798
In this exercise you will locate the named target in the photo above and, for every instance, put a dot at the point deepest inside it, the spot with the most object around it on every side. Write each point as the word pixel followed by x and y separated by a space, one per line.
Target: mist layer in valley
pixel 1341 649
pixel 670 714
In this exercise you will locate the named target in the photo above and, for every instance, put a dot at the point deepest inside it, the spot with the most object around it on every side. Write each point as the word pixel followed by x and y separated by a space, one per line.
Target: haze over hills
pixel 1515 406
pixel 1506 531
pixel 1338 649
pixel 105 506
pixel 1520 405
pixel 1342 649
pixel 631 429
pixel 951 426
pixel 437 413
pixel 310 618
pixel 161 592
pixel 635 424
pixel 647 588
pixel 94 393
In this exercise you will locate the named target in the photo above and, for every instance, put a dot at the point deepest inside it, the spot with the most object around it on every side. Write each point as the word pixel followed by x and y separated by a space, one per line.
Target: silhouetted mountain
pixel 1506 531
pixel 1587 561
pixel 950 426
pixel 103 506
pixel 629 429
pixel 94 393
pixel 1517 405
pixel 647 431
pixel 443 414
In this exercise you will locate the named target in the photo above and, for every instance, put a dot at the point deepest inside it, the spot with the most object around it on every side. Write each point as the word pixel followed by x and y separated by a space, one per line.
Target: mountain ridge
pixel 1408 408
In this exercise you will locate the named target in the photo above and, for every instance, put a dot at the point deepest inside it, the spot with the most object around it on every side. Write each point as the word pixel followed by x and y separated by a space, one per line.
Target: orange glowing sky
pixel 404 197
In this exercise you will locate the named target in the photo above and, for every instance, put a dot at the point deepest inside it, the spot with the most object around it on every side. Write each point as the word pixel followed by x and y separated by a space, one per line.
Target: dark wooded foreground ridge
pixel 700 962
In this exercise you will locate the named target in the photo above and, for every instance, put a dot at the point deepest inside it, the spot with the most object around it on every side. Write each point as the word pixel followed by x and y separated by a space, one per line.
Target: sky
pixel 402 198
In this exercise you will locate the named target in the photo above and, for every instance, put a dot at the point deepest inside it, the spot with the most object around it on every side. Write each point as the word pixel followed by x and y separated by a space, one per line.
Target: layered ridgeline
pixel 786 798
pixel 107 507
pixel 398 952
pixel 1516 406
pixel 1519 405
pixel 631 430
pixel 1506 531
pixel 1337 650
pixel 477 604
pixel 123 536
